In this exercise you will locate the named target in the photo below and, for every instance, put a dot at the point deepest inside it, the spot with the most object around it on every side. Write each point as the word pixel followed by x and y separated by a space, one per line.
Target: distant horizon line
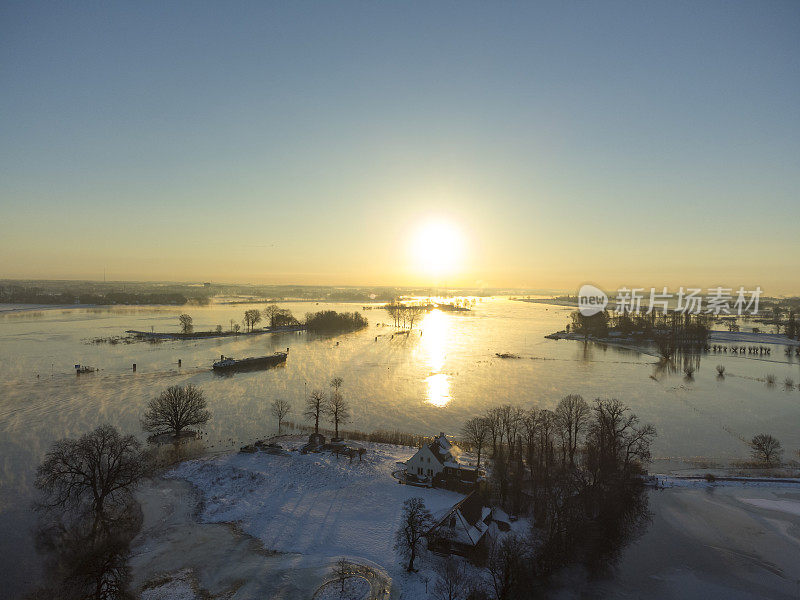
pixel 200 283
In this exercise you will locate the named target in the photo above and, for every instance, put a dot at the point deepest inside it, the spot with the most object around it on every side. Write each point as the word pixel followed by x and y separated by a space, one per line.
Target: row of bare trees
pixel 405 315
pixel 576 469
pixel 334 406
pixel 545 437
pixel 273 314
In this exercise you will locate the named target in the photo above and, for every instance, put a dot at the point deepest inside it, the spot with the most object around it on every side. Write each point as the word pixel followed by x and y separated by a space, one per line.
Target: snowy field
pixel 315 504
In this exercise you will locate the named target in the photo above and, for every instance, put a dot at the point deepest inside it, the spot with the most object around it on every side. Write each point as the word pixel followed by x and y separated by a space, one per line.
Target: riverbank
pixel 718 337
pixel 19 308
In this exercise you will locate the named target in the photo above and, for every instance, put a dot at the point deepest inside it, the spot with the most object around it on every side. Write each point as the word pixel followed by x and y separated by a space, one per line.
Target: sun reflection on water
pixel 434 344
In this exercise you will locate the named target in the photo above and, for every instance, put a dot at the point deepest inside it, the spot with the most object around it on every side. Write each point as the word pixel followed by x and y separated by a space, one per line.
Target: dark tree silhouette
pixel 251 318
pixel 86 558
pixel 572 414
pixel 507 566
pixel 476 433
pixel 315 405
pixel 416 522
pixel 337 408
pixel 176 408
pixel 765 449
pixel 453 582
pixel 186 323
pixel 96 471
pixel 341 571
pixel 270 312
pixel 329 321
pixel 280 410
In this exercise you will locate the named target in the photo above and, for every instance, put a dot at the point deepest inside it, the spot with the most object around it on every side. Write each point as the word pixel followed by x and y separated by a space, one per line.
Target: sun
pixel 438 248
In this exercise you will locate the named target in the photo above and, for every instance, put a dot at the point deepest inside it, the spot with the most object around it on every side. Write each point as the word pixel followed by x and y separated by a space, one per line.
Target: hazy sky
pixel 651 143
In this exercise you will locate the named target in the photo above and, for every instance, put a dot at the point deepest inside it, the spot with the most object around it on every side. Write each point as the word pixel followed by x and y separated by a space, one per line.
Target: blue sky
pixel 617 142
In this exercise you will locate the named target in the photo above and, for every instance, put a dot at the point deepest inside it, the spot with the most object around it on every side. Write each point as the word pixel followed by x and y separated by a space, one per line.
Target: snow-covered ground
pixel 744 337
pixel 311 509
pixel 355 588
pixel 312 503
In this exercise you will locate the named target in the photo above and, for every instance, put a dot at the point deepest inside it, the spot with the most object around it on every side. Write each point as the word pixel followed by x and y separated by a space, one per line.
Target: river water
pixel 425 382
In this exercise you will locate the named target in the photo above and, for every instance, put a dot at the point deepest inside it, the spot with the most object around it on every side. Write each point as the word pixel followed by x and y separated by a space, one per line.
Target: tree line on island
pixel 326 321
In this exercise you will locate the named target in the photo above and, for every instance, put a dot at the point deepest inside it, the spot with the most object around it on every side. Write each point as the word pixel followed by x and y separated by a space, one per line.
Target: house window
pixel 430 471
pixel 419 470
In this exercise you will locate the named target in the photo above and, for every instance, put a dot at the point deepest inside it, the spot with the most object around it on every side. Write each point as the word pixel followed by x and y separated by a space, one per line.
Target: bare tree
pixel 476 434
pixel 618 442
pixel 315 405
pixel 270 312
pixel 341 571
pixel 415 523
pixel 766 449
pixel 280 410
pixel 415 313
pixel 176 408
pixel 251 318
pixel 337 408
pixel 186 323
pixel 453 581
pixel 507 568
pixel 493 422
pixel 572 414
pixel 97 470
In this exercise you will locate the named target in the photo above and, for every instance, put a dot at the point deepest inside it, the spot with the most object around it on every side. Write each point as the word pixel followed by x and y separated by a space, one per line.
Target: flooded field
pixel 425 382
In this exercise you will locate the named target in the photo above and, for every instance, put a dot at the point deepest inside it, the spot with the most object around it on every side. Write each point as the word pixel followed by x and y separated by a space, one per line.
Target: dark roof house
pixel 462 529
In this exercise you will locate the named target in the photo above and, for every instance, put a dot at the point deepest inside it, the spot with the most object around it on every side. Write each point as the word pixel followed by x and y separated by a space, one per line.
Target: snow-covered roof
pixel 471 517
pixel 445 451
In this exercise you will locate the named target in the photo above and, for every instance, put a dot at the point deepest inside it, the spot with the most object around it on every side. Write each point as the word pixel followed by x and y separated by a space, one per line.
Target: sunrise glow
pixel 438 249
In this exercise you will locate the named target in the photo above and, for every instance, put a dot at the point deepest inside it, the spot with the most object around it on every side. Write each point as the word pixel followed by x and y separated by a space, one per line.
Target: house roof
pixel 444 450
pixel 471 514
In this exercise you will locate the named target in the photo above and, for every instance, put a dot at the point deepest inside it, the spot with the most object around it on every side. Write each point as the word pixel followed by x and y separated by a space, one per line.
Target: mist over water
pixel 428 381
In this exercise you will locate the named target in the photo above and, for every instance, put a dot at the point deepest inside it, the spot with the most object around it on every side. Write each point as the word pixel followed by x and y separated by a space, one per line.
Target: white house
pixel 440 459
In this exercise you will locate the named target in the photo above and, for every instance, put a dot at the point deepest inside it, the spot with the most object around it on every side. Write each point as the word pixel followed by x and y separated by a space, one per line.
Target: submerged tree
pixel 96 472
pixel 415 523
pixel 280 410
pixel 175 409
pixel 765 449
